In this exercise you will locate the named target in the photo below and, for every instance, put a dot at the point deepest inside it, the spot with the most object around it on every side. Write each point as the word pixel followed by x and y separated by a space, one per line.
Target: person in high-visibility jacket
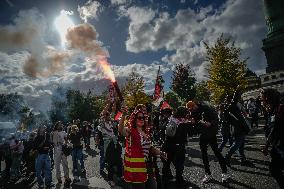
pixel 138 169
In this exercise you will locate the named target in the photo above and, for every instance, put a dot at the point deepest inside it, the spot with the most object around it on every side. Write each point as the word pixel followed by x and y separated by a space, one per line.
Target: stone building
pixel 273 47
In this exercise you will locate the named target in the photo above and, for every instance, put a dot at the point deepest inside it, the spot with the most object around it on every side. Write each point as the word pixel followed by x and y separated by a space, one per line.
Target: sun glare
pixel 62 23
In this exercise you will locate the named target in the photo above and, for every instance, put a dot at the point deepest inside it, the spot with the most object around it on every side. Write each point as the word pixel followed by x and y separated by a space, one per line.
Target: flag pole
pixel 157 78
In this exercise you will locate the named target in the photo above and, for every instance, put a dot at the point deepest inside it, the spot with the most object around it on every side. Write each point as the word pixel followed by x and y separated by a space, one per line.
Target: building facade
pixel 273 47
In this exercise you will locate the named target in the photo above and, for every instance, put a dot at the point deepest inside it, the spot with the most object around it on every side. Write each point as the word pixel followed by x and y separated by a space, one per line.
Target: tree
pixel 183 82
pixel 173 99
pixel 70 104
pixel 86 107
pixel 58 110
pixel 226 70
pixel 134 92
pixel 11 106
pixel 202 91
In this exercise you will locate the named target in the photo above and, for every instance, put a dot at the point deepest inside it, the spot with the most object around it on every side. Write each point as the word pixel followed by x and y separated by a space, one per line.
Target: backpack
pixel 171 127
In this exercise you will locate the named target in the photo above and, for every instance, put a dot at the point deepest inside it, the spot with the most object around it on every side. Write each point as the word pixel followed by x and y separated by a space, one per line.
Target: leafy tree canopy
pixel 202 91
pixel 226 70
pixel 134 91
pixel 183 82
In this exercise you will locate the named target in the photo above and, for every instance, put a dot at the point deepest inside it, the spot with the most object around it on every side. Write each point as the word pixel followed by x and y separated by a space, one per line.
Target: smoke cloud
pixel 28 33
pixel 13 38
pixel 54 60
pixel 84 38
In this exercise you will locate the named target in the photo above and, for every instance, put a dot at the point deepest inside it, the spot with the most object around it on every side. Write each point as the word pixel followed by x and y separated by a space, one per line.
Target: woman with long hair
pixel 138 167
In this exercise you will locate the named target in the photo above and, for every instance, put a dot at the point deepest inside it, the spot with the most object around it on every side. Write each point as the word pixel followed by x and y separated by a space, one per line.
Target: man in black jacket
pixel 174 146
pixel 43 163
pixel 241 128
pixel 206 124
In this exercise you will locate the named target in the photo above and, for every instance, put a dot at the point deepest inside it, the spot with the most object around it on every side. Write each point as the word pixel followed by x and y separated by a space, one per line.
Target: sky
pixel 132 35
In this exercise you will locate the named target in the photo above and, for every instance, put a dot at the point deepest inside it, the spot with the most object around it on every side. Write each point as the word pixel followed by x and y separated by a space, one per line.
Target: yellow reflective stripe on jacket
pixel 135 170
pixel 135 160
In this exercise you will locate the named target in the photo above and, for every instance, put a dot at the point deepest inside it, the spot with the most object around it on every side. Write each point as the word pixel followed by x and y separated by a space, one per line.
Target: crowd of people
pixel 147 136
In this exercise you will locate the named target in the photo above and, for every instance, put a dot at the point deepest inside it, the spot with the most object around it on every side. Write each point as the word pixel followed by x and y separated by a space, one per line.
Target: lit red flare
pixel 107 70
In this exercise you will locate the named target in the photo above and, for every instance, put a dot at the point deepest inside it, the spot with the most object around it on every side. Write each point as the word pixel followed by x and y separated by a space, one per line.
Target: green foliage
pixel 11 106
pixel 86 107
pixel 134 92
pixel 73 104
pixel 58 111
pixel 202 92
pixel 173 99
pixel 183 82
pixel 226 70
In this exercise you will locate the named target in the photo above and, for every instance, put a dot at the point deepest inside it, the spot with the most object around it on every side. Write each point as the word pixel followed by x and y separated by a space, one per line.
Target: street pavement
pixel 253 175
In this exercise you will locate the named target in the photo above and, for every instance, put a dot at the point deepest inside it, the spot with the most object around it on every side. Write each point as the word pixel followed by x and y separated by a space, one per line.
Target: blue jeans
pixel 43 164
pixel 77 154
pixel 239 145
pixel 102 157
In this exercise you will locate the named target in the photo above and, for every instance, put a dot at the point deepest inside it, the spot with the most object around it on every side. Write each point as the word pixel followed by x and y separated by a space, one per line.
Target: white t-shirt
pixel 59 138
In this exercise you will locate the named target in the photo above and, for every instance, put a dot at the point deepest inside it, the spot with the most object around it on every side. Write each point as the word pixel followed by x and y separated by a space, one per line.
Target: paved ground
pixel 254 175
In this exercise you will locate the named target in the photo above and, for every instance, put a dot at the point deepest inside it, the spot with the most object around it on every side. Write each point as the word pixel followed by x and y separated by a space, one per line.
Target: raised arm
pixel 106 108
pixel 121 128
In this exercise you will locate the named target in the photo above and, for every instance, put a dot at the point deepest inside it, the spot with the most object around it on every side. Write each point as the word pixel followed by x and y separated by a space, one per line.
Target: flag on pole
pixel 157 96
pixel 118 116
pixel 165 105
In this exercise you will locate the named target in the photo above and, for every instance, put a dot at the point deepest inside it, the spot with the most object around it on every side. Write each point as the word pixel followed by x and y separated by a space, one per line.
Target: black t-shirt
pixel 42 144
pixel 75 139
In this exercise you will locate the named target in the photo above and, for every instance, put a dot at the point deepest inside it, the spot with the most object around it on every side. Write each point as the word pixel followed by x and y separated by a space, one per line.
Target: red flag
pixel 118 116
pixel 165 105
pixel 157 91
pixel 158 86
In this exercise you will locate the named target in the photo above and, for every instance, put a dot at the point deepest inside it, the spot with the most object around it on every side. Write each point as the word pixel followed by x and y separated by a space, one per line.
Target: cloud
pixel 90 10
pixel 139 15
pixel 24 89
pixel 139 28
pixel 119 2
pixel 77 68
pixel 184 32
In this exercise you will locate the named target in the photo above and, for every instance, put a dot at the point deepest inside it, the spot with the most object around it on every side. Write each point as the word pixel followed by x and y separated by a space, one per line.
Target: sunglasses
pixel 140 117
